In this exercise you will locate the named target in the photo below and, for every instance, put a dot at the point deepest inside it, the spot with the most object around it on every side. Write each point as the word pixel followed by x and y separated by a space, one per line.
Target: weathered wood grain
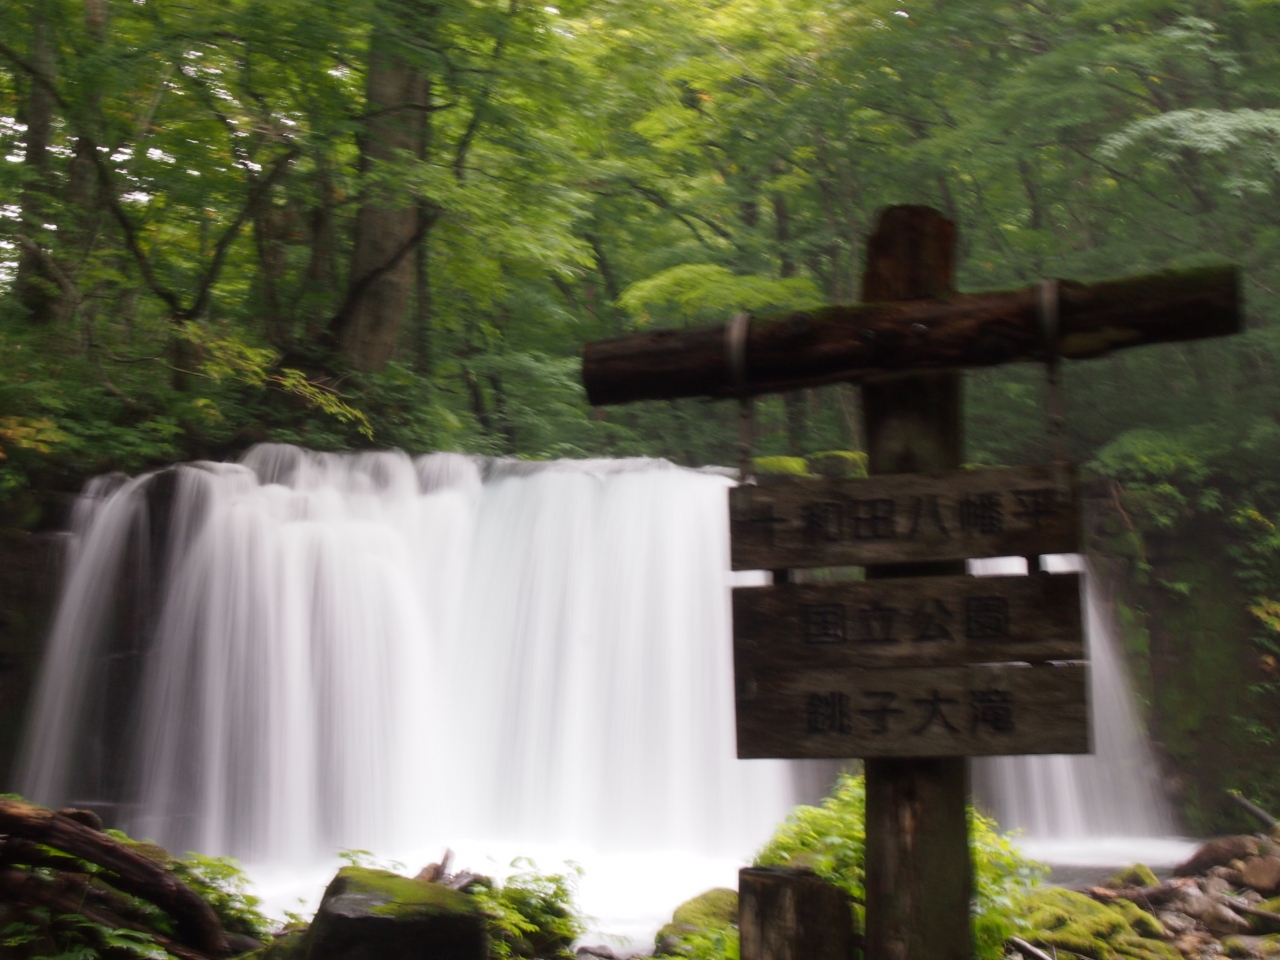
pixel 947 331
pixel 904 518
pixel 980 710
pixel 788 913
pixel 911 622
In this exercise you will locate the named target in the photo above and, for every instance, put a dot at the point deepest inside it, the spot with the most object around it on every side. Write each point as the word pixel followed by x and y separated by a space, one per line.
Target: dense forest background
pixel 353 223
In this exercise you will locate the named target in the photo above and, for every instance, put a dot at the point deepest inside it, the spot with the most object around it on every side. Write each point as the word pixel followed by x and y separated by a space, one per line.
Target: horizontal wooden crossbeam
pixel 854 343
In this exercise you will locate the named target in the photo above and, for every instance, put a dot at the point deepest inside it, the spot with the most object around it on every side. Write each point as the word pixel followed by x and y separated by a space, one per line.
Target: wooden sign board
pixel 978 710
pixel 911 622
pixel 904 518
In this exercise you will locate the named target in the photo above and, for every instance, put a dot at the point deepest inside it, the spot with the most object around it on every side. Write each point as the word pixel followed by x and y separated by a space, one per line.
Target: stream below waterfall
pixel 301 653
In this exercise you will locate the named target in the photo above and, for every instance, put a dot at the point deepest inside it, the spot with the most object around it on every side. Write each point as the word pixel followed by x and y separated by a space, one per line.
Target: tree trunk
pixel 33 286
pixel 322 273
pixel 387 222
pixel 268 231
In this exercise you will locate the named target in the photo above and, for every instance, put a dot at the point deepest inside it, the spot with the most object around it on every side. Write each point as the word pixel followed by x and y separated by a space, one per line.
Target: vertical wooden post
pixel 918 869
pixel 786 914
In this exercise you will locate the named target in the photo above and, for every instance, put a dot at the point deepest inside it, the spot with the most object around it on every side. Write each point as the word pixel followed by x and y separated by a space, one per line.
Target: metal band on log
pixel 850 343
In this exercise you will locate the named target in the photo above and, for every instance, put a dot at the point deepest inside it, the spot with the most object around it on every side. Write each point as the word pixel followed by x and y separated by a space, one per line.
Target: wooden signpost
pixel 917 666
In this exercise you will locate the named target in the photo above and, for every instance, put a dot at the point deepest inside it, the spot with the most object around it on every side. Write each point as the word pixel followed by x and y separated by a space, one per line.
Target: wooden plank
pixel 904 518
pixel 980 710
pixel 930 329
pixel 911 622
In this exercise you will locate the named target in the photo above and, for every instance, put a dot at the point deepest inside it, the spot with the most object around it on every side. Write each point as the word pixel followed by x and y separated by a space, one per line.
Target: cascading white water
pixel 350 651
pixel 1092 806
pixel 305 652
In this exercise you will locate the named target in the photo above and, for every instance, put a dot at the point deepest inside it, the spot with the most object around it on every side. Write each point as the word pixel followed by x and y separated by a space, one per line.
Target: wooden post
pixel 786 914
pixel 918 870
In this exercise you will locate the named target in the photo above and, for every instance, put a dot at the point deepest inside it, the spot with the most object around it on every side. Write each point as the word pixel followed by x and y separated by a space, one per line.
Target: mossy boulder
pixel 1251 946
pixel 377 915
pixel 838 463
pixel 1138 875
pixel 708 912
pixel 780 466
pixel 1076 927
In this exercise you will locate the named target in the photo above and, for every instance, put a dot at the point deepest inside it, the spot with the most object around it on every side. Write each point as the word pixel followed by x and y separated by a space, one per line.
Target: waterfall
pixel 303 652
pixel 1060 802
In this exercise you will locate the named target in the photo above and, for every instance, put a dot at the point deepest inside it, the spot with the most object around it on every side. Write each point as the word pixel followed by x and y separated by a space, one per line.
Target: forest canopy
pixel 394 223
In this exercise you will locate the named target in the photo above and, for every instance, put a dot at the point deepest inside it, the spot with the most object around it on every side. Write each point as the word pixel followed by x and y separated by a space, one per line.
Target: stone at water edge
pixel 1251 946
pixel 708 912
pixel 1138 875
pixel 377 915
pixel 1218 852
pixel 1262 874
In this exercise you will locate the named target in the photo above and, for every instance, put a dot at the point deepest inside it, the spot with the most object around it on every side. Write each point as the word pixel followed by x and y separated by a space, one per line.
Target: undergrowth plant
pixel 830 839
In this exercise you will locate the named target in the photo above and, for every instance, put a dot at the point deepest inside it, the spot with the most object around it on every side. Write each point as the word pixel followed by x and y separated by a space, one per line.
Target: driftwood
pixel 39 892
pixel 851 343
pixel 197 925
pixel 1143 896
pixel 1033 952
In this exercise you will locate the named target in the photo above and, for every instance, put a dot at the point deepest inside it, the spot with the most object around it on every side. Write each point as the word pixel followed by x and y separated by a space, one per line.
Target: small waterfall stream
pixel 304 652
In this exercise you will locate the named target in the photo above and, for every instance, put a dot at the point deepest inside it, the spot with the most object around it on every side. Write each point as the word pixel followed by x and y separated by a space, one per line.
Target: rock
pixel 1218 852
pixel 838 463
pixel 1067 922
pixel 602 952
pixel 1217 917
pixel 710 911
pixel 1262 874
pixel 377 915
pixel 1138 875
pixel 1214 885
pixel 1229 873
pixel 1175 922
pixel 1251 946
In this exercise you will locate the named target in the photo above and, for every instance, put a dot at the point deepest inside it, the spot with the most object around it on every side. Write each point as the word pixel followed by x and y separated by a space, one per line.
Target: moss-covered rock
pixel 780 466
pixel 838 463
pixel 1138 875
pixel 371 914
pixel 709 912
pixel 288 945
pixel 1251 946
pixel 1075 926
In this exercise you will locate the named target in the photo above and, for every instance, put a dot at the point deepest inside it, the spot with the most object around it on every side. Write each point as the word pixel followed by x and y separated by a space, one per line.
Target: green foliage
pixel 223 885
pixel 830 839
pixel 531 914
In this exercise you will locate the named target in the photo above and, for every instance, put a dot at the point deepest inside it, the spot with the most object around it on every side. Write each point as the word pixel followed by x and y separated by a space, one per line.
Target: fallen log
pixel 1143 896
pixel 197 925
pixel 1253 809
pixel 850 343
pixel 1035 953
pixel 18 885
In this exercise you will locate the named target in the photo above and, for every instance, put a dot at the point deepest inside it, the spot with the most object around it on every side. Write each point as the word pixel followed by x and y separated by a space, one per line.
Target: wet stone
pixel 376 915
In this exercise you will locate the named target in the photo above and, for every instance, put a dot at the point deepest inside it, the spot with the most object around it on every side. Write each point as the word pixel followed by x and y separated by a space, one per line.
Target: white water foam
pixel 1101 809
pixel 370 652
